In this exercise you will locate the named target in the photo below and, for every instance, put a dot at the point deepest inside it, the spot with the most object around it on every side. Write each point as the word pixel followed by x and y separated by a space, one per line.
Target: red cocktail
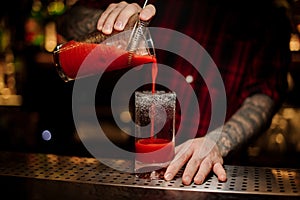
pixel 158 150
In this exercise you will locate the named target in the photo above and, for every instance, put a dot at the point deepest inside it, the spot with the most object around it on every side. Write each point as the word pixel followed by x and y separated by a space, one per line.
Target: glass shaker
pixel 97 52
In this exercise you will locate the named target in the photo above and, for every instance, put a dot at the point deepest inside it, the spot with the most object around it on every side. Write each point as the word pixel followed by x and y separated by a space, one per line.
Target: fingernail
pixel 187 179
pixel 107 28
pixel 144 15
pixel 119 25
pixel 168 176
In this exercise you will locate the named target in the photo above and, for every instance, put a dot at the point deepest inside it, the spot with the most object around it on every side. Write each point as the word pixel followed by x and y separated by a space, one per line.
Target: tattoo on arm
pixel 78 22
pixel 249 120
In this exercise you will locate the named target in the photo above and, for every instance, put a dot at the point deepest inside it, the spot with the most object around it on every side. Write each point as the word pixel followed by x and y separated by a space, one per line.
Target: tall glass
pixel 155 130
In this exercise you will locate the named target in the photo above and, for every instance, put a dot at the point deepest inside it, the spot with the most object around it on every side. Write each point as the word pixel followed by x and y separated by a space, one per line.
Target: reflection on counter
pixel 47 176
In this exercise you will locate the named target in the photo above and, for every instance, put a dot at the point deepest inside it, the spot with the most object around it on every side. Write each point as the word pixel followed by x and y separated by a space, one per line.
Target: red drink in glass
pixel 152 145
pixel 155 130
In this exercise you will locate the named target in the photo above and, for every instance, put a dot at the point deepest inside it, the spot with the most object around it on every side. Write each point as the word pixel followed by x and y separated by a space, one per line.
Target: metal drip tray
pixel 241 179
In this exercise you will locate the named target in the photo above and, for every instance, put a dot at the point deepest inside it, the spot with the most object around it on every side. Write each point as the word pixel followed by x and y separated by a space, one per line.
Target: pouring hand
pixel 117 16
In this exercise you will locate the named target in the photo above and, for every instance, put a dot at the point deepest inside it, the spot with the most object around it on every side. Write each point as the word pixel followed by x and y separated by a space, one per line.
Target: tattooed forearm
pixel 78 22
pixel 249 120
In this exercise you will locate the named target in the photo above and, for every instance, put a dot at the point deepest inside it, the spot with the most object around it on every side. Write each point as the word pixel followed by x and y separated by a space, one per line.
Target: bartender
pixel 249 43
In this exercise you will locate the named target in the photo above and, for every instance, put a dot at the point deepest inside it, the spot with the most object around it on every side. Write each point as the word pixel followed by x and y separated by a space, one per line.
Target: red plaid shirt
pixel 248 42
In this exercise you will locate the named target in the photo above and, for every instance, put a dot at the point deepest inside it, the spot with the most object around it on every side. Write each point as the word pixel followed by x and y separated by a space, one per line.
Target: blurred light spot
pixel 294 42
pixel 36 6
pixel 189 78
pixel 50 37
pixel 279 138
pixel 56 8
pixel 125 116
pixel 46 135
pixel 5 92
pixel 2 85
pixel 288 113
pixel 10 68
pixel 282 123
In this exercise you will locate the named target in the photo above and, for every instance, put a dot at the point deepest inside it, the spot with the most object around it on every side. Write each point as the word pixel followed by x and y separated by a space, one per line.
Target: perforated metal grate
pixel 241 179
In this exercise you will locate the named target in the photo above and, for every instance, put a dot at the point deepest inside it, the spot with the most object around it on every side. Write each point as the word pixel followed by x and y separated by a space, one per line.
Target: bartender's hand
pixel 201 156
pixel 117 15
